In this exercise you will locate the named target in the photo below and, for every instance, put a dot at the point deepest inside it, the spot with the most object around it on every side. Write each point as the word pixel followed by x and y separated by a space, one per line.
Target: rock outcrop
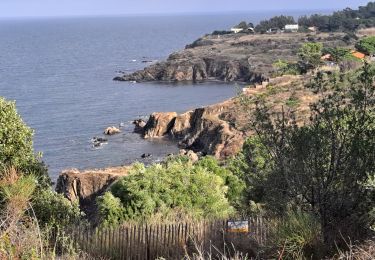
pixel 84 187
pixel 112 130
pixel 200 130
pixel 159 124
pixel 233 57
pixel 139 124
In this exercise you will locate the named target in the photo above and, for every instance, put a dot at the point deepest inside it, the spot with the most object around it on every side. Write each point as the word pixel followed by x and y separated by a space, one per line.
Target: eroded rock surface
pixel 200 130
pixel 83 187
pixel 159 124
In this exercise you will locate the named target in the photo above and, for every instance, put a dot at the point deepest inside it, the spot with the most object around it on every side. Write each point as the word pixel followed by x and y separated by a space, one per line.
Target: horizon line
pixel 309 11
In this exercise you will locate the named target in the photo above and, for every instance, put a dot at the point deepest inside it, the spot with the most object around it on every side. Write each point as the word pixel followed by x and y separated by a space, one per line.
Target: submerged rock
pixel 98 141
pixel 146 155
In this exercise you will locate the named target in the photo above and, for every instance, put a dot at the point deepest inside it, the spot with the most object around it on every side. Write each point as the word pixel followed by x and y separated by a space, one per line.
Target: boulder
pixel 159 124
pixel 112 130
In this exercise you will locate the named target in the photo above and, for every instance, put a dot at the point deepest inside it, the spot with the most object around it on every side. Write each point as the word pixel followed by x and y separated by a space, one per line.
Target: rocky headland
pixel 233 57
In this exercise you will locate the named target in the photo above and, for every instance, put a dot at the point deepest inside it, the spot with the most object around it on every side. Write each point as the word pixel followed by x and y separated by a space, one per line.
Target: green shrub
pixel 297 236
pixel 286 68
pixel 366 45
pixel 16 145
pixel 310 54
pixel 52 208
pixel 110 210
pixel 236 186
pixel 292 102
pixel 253 165
pixel 174 185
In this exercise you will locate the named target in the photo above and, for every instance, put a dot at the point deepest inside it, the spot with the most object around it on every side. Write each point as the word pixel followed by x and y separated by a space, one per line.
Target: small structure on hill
pixel 273 30
pixel 291 28
pixel 236 30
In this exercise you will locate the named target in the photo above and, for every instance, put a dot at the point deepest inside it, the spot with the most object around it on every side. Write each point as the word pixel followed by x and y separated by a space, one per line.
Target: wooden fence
pixel 170 241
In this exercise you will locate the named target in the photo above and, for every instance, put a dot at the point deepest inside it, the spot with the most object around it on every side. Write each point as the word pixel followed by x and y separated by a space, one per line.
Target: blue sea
pixel 60 70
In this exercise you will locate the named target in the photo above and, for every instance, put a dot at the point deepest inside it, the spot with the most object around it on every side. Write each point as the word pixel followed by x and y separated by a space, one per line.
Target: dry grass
pixel 364 251
pixel 21 237
pixel 366 32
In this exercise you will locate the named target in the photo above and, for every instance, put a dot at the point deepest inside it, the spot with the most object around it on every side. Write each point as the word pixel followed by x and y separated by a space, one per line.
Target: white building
pixel 291 27
pixel 236 30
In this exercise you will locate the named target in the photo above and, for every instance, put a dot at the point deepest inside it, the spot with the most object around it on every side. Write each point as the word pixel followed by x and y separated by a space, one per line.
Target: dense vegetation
pixel 347 20
pixel 325 168
pixel 367 45
pixel 174 189
pixel 28 206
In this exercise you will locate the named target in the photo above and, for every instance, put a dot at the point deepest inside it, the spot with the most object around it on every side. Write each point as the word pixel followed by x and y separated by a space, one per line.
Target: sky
pixel 42 8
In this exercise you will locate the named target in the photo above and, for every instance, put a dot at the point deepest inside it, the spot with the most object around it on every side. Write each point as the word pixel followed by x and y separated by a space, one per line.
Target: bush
pixel 297 236
pixel 16 145
pixel 174 185
pixel 54 209
pixel 110 210
pixel 366 45
pixel 253 165
pixel 236 186
pixel 310 54
pixel 286 68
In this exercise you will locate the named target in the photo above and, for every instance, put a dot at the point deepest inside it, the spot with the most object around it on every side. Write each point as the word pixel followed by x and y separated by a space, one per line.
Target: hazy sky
pixel 21 8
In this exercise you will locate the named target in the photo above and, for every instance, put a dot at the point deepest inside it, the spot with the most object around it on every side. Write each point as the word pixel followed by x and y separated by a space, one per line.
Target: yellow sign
pixel 238 226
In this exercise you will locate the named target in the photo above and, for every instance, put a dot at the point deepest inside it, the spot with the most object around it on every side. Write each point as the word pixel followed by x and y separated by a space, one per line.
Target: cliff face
pixel 84 187
pixel 233 57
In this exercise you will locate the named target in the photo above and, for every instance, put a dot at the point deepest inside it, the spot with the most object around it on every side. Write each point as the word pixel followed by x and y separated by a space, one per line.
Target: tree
pixel 242 25
pixel 310 54
pixel 278 22
pixel 16 144
pixel 326 166
pixel 366 45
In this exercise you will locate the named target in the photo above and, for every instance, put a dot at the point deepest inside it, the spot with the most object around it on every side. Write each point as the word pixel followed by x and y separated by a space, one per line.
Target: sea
pixel 59 70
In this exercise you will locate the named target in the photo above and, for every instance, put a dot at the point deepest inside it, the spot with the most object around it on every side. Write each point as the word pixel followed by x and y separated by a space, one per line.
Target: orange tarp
pixel 358 54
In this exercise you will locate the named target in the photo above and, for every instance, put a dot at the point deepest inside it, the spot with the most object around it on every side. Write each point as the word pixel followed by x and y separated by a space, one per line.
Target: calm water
pixel 60 73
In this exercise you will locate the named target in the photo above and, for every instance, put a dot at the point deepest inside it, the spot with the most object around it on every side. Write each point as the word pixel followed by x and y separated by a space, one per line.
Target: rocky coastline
pixel 218 130
pixel 230 58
